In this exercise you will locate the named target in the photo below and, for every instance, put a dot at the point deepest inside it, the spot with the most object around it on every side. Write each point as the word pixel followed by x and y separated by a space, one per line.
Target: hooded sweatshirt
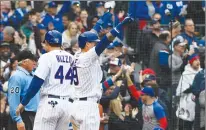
pixel 186 79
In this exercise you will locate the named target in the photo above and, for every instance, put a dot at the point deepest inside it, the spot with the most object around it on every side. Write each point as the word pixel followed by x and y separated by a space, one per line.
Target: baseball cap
pixel 41 26
pixel 99 4
pixel 193 57
pixel 178 42
pixel 149 77
pixel 148 91
pixel 116 62
pixel 148 71
pixel 26 54
pixel 52 4
pixel 77 3
pixel 117 44
pixel 110 46
pixel 4 44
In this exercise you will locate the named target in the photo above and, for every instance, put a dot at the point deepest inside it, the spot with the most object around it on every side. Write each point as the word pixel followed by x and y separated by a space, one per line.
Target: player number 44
pixel 70 75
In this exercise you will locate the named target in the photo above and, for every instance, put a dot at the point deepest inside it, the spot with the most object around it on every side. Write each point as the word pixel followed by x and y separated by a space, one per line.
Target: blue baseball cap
pixel 117 44
pixel 41 26
pixel 52 4
pixel 99 4
pixel 148 91
pixel 110 46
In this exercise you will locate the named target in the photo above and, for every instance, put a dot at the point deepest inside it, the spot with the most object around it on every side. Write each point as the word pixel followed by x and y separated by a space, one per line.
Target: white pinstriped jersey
pixel 55 68
pixel 89 74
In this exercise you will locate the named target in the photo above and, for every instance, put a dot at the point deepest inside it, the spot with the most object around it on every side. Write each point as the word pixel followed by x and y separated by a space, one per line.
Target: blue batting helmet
pixel 87 37
pixel 53 37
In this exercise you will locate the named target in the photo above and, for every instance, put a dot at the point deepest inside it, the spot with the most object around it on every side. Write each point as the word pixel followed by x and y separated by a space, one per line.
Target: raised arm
pixel 109 37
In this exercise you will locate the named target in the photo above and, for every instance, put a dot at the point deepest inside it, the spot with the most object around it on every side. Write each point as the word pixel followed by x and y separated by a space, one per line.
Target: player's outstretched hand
pixel 20 126
pixel 107 17
pixel 134 112
pixel 19 109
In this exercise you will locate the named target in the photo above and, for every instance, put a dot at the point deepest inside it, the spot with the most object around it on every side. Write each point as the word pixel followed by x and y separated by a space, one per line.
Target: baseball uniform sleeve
pixel 14 91
pixel 34 87
pixel 160 115
pixel 43 67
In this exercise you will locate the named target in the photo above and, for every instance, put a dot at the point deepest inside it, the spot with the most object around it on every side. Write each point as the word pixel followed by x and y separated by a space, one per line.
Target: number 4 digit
pixel 59 74
pixel 70 75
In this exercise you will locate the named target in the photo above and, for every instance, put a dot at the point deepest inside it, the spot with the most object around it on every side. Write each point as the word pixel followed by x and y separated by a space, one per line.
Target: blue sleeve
pixel 34 87
pixel 163 57
pixel 14 95
pixel 114 94
pixel 158 111
pixel 66 7
pixel 100 47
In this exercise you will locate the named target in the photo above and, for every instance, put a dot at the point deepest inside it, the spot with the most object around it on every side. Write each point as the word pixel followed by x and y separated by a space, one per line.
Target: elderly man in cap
pixel 177 61
pixel 18 85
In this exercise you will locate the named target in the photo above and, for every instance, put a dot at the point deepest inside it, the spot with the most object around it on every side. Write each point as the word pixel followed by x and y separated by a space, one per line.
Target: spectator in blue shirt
pixel 167 11
pixel 142 9
pixel 189 34
pixel 52 19
pixel 19 14
pixel 17 88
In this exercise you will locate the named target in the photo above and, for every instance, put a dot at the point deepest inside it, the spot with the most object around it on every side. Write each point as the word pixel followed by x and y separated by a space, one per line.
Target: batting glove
pixel 115 31
pixel 102 22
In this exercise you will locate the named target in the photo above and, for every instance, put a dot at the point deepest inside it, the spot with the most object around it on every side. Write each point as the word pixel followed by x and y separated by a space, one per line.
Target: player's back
pixel 58 73
pixel 89 74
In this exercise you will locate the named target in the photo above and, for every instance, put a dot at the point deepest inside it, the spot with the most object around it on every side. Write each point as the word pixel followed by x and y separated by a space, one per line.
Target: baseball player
pixel 56 74
pixel 85 111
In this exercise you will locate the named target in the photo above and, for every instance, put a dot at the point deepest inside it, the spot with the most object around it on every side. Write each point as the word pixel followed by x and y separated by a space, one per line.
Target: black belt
pixel 54 96
pixel 84 99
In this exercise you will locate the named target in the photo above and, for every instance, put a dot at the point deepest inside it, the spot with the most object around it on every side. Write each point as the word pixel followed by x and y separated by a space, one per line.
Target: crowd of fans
pixel 146 88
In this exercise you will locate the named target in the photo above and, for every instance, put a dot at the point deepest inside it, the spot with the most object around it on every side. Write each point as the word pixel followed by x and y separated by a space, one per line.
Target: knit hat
pixel 193 57
pixel 148 91
pixel 148 71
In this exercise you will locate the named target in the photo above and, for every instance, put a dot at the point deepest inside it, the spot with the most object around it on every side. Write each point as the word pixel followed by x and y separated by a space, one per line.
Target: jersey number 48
pixel 70 75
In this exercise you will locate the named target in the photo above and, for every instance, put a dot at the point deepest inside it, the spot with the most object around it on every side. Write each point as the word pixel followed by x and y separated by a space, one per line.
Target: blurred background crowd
pixel 164 48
